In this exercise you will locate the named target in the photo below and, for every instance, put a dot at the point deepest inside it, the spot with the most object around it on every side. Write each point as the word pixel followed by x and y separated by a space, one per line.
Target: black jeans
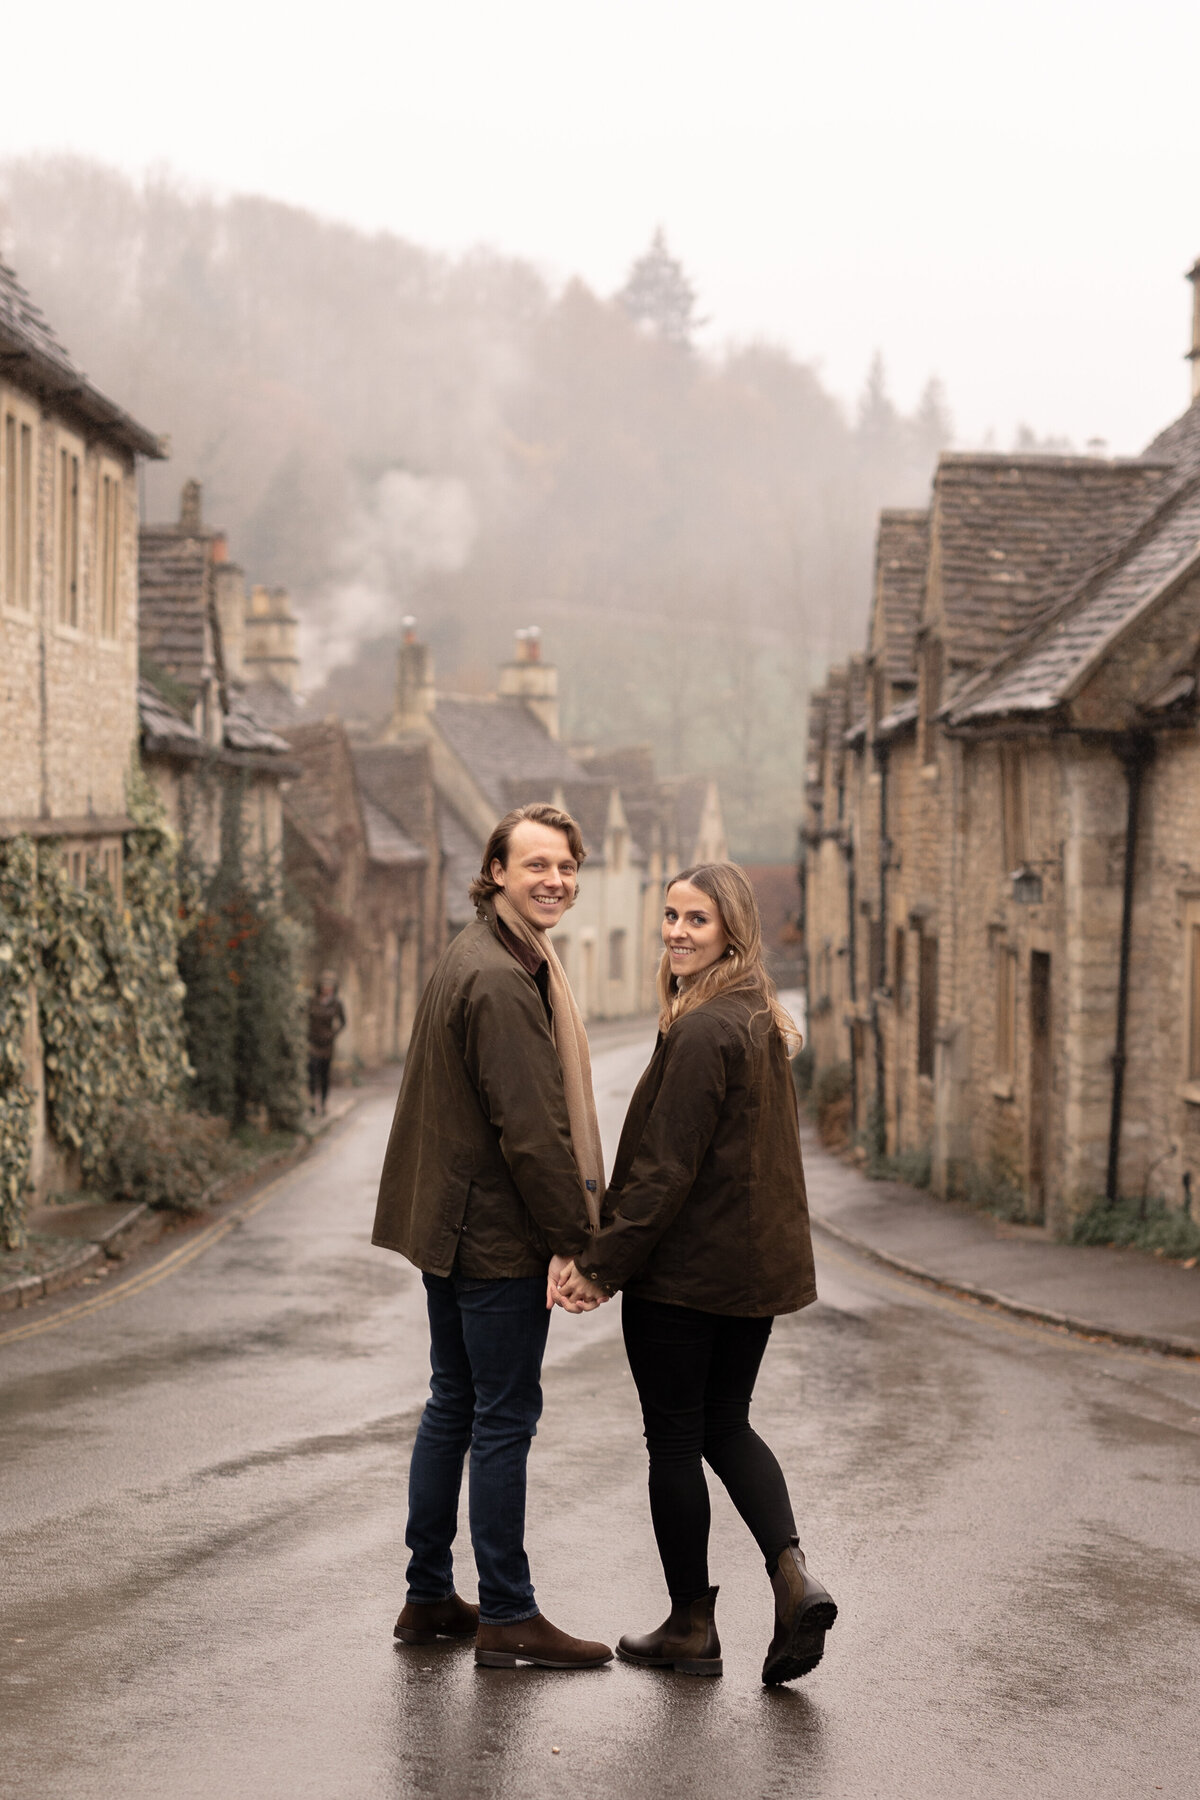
pixel 695 1374
pixel 318 1076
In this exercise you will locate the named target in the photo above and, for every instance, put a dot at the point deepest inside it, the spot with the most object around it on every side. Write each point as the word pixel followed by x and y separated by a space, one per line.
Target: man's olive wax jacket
pixel 479 1176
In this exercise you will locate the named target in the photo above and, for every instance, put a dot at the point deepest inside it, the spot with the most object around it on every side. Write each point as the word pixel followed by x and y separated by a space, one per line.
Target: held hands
pixel 567 1288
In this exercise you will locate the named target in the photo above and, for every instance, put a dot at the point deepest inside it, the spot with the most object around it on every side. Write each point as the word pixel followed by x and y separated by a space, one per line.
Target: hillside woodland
pixel 387 431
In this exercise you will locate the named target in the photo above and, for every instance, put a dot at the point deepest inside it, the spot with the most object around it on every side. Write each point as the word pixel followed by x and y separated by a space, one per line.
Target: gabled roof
pixel 1011 533
pixel 499 740
pixel 386 843
pixel 901 565
pixel 32 357
pixel 326 799
pixel 1043 672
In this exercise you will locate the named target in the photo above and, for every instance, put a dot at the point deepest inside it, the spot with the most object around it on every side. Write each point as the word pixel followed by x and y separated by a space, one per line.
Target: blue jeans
pixel 486 1342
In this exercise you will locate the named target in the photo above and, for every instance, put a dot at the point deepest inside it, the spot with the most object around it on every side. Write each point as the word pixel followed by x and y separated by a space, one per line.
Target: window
pixel 108 548
pixel 66 533
pixel 1014 802
pixel 16 507
pixel 1192 995
pixel 899 945
pixel 617 844
pixel 927 1003
pixel 616 956
pixel 1005 1050
pixel 876 973
pixel 110 867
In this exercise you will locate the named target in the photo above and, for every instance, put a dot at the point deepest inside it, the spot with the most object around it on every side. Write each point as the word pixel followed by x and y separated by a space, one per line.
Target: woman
pixel 705 1231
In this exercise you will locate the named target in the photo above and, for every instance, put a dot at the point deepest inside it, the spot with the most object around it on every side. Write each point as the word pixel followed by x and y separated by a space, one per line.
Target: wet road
pixel 202 1510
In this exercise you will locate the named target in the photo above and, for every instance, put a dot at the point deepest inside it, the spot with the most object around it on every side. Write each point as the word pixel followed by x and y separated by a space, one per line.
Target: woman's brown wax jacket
pixel 707 1206
pixel 479 1176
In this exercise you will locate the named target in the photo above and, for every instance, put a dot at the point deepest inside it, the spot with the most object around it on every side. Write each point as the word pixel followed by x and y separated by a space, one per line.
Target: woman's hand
pixel 575 1293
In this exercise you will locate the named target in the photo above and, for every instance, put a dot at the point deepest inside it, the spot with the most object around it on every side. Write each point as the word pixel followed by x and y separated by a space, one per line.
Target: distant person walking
pixel 326 1018
pixel 493 1156
pixel 706 1233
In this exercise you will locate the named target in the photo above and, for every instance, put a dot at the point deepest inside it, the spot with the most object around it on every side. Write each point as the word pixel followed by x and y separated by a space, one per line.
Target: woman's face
pixel 692 930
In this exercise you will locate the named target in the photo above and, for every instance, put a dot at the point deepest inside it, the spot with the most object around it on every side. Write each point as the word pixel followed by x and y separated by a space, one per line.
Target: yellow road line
pixel 148 1278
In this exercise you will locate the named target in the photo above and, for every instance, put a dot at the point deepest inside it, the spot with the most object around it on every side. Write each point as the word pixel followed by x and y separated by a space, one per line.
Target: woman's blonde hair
pixel 741 969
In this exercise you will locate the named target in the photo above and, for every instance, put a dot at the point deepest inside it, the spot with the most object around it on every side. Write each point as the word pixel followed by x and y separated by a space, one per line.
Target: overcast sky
pixel 1003 195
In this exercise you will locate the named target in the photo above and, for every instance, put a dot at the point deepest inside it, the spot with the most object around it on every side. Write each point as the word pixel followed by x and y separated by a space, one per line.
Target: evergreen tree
pixel 658 293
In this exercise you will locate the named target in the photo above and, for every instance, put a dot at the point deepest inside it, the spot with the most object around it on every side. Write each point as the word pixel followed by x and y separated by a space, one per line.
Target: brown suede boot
pixel 422 1622
pixel 539 1642
pixel 803 1614
pixel 686 1642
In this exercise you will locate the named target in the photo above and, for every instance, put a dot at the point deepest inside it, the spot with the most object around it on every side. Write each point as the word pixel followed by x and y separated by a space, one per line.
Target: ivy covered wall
pixel 103 974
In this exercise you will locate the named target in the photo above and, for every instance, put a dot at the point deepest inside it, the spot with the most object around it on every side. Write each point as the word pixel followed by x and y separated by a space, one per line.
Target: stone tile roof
pixel 33 357
pixel 164 731
pixel 399 778
pixel 500 741
pixel 1041 673
pixel 174 595
pixel 1012 532
pixel 386 842
pixel 462 853
pixel 246 730
pixel 325 800
pixel 273 703
pixel 901 565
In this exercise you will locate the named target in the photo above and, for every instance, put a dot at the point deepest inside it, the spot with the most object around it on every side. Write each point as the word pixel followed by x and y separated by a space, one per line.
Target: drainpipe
pixel 852 980
pixel 885 849
pixel 1135 753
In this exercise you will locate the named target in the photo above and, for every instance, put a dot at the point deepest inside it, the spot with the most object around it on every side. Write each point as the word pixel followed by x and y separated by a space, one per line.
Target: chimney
pixel 190 508
pixel 1193 355
pixel 270 638
pixel 229 592
pixel 414 682
pixel 529 679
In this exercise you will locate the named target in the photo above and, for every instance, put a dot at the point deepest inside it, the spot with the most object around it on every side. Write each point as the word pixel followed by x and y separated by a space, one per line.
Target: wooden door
pixel 1040 1077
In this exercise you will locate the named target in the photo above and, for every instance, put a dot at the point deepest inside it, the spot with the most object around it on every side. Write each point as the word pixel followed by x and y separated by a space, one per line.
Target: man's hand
pixel 576 1293
pixel 558 1265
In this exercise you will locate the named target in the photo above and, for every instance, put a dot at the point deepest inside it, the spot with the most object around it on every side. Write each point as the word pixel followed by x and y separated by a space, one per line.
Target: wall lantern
pixel 1027 886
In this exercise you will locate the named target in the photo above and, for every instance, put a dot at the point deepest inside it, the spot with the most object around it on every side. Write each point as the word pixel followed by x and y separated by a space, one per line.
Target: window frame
pixel 24 418
pixel 107 537
pixel 68 532
pixel 1014 808
pixel 618 958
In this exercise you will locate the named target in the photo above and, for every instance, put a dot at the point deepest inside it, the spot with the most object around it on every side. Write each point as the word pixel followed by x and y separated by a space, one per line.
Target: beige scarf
pixel 570 1040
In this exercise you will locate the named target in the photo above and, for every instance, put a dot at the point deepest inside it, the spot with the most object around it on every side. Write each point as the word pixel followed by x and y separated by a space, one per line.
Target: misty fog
pixel 387 431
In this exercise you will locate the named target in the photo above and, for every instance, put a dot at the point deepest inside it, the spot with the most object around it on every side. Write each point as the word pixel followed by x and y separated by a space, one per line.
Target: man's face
pixel 541 874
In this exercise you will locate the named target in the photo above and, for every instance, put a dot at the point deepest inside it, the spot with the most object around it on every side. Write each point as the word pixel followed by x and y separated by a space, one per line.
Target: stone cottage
pixel 205 741
pixel 363 864
pixel 493 753
pixel 1001 834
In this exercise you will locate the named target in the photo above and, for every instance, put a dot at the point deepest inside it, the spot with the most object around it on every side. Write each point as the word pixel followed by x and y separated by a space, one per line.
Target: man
pixel 493 1160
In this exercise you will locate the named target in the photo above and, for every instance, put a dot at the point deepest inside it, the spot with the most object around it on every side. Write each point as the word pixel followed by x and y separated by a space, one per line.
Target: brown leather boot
pixel 686 1642
pixel 539 1642
pixel 422 1622
pixel 803 1614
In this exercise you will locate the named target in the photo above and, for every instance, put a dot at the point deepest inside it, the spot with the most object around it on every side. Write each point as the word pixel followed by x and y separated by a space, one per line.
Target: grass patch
pixel 1139 1225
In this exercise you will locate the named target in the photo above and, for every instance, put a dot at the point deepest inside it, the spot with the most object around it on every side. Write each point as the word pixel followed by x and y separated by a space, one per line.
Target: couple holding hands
pixel 494 1175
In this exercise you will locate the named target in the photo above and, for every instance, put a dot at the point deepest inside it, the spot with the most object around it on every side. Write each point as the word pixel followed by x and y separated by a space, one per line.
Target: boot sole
pixel 509 1659
pixel 409 1636
pixel 694 1665
pixel 804 1648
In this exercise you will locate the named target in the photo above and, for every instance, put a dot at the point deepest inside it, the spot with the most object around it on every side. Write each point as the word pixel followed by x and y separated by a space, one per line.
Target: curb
pixel 1020 1309
pixel 143 1225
